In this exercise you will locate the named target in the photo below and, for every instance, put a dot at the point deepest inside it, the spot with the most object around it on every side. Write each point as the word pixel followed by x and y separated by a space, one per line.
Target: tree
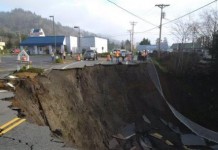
pixel 208 29
pixel 182 33
pixel 181 30
pixel 8 44
pixel 122 45
pixel 164 44
pixel 214 50
pixel 128 45
pixel 145 42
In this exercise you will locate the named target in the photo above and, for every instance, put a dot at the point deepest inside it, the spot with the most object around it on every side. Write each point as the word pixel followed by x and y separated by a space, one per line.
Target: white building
pixel 71 43
pixel 100 44
pixel 46 44
pixel 37 32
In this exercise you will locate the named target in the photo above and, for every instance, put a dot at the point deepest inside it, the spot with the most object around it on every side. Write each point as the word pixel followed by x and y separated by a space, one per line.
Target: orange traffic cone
pixel 78 57
pixel 108 58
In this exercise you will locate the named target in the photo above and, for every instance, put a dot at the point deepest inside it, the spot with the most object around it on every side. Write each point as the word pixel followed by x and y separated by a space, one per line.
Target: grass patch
pixel 59 60
pixel 31 70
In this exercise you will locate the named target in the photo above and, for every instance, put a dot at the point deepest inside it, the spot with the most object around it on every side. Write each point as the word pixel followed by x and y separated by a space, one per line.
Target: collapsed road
pixel 104 107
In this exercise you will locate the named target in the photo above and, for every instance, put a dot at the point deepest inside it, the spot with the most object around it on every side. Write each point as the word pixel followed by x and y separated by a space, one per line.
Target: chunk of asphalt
pixel 192 140
pixel 4 94
pixel 146 119
pixel 128 131
pixel 145 143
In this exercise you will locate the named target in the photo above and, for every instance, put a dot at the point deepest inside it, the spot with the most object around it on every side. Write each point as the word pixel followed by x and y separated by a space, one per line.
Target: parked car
pixel 90 54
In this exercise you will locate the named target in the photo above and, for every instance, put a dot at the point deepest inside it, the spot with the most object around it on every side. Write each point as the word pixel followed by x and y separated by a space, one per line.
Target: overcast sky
pixel 103 17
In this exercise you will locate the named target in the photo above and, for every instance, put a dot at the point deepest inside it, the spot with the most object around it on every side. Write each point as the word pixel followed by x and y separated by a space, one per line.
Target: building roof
pixel 147 47
pixel 186 46
pixel 43 41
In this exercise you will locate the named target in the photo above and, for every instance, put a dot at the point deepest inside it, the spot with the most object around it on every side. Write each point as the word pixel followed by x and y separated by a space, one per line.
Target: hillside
pixel 19 20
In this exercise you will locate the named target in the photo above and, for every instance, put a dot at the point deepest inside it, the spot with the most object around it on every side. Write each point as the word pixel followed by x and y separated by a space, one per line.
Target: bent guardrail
pixel 194 127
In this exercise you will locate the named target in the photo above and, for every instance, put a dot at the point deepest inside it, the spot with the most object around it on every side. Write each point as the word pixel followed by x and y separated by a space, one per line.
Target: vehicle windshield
pixel 89 51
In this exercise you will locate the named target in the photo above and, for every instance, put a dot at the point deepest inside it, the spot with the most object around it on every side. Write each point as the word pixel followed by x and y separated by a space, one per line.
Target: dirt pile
pixel 87 106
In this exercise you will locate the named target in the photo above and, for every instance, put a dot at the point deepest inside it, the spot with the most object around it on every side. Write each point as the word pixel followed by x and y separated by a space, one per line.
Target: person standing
pixel 64 54
pixel 123 54
pixel 117 56
pixel 52 56
pixel 111 56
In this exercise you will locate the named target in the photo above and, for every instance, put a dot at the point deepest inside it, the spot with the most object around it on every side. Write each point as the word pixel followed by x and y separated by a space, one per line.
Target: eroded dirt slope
pixel 87 106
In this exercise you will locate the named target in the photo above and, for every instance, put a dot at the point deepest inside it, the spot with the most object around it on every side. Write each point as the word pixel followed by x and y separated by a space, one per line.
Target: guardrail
pixel 194 127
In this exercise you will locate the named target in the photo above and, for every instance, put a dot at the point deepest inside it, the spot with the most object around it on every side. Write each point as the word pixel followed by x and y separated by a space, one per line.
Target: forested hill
pixel 19 20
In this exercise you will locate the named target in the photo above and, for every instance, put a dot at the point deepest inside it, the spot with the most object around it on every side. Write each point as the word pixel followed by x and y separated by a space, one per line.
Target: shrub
pixel 59 60
pixel 105 54
pixel 31 69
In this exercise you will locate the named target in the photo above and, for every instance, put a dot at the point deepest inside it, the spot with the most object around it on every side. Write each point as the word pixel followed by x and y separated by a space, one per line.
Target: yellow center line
pixel 10 125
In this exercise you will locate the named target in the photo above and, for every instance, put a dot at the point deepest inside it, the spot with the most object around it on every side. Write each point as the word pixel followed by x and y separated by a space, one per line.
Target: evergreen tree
pixel 145 42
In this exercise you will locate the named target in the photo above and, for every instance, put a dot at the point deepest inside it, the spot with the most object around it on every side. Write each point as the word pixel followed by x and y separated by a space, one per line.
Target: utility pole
pixel 130 39
pixel 161 6
pixel 54 34
pixel 133 24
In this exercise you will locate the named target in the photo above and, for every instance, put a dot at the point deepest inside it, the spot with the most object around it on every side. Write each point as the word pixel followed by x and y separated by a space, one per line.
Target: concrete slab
pixel 146 119
pixel 192 140
pixel 127 132
pixel 145 143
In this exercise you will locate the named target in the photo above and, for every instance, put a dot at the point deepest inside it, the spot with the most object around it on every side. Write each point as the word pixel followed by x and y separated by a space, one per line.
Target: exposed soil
pixel 88 106
pixel 194 94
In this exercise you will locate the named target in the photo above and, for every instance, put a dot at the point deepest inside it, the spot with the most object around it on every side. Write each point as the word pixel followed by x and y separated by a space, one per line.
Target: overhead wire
pixel 132 13
pixel 190 12
pixel 163 23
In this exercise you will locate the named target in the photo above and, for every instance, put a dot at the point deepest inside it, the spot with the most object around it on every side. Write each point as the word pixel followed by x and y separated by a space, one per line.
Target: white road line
pixel 70 65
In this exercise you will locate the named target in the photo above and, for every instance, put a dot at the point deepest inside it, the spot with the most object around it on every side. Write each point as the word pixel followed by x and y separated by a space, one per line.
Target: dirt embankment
pixel 87 106
pixel 194 94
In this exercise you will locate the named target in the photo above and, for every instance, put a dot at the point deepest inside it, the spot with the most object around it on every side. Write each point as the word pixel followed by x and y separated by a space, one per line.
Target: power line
pixel 179 17
pixel 132 13
pixel 170 20
pixel 190 12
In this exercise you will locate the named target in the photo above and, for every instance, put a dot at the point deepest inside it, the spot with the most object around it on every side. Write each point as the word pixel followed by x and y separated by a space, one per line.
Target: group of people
pixel 62 55
pixel 117 54
pixel 142 55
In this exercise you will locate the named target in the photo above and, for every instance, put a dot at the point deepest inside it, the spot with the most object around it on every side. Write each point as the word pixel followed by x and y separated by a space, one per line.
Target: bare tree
pixel 209 23
pixel 208 28
pixel 181 30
